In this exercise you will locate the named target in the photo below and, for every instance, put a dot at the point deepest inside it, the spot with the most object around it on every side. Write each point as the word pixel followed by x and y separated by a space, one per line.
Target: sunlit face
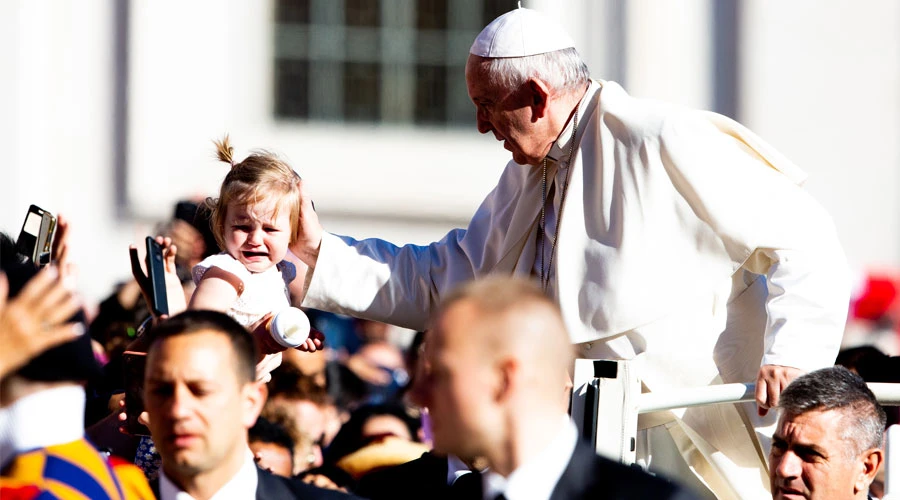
pixel 199 410
pixel 456 384
pixel 255 236
pixel 809 459
pixel 273 458
pixel 508 114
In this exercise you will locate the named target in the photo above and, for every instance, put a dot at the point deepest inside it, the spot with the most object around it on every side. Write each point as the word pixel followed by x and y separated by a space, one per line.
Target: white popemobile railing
pixel 615 387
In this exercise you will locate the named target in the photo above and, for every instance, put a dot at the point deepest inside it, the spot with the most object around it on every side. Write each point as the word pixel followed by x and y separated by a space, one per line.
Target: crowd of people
pixel 621 229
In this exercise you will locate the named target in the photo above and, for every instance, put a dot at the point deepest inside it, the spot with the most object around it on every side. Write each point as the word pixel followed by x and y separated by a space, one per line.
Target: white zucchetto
pixel 519 33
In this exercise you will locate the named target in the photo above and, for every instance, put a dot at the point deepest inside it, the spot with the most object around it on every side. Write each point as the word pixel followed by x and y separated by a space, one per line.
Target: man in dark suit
pixel 430 476
pixel 494 378
pixel 201 394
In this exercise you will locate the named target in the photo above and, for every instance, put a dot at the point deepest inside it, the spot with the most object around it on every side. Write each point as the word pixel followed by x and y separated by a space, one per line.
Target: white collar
pixel 242 485
pixel 455 469
pixel 559 149
pixel 537 477
pixel 20 431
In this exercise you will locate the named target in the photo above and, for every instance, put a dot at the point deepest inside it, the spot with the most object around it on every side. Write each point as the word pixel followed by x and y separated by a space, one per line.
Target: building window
pixel 377 61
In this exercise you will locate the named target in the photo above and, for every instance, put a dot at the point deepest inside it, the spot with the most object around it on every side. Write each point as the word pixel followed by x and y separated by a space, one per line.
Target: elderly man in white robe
pixel 671 236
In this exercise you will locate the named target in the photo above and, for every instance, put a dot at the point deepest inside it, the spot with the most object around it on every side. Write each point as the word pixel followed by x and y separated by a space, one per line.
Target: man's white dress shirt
pixel 537 477
pixel 242 485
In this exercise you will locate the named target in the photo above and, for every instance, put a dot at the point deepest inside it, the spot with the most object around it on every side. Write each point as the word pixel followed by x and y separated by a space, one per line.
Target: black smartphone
pixel 36 237
pixel 133 364
pixel 156 272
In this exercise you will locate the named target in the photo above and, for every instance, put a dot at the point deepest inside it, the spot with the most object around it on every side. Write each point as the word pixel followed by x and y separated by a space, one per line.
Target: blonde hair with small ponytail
pixel 224 151
pixel 261 176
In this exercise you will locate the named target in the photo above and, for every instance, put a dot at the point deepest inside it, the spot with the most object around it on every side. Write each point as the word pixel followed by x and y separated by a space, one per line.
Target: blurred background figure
pixel 874 317
pixel 272 447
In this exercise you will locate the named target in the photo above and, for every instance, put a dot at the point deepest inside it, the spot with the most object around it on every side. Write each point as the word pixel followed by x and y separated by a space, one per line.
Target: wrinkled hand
pixel 307 243
pixel 174 292
pixel 36 319
pixel 772 379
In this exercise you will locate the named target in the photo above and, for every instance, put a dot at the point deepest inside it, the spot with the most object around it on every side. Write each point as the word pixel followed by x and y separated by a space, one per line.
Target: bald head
pixel 508 317
pixel 493 370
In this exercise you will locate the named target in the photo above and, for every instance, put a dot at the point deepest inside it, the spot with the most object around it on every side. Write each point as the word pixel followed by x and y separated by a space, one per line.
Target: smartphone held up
pixel 133 369
pixel 156 273
pixel 36 237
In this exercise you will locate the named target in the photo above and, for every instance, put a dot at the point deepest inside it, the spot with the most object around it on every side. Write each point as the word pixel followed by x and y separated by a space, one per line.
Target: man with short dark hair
pixel 494 370
pixel 829 439
pixel 202 396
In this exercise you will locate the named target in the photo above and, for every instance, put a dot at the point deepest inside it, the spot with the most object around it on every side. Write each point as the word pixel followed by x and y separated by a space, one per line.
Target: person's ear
pixel 871 462
pixel 254 397
pixel 507 379
pixel 539 97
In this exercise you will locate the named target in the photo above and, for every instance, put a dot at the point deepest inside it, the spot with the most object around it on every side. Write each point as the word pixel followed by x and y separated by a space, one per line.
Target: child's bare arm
pixel 217 290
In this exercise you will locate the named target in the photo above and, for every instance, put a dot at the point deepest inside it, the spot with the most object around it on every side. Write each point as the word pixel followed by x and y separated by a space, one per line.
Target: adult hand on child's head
pixel 310 230
pixel 36 320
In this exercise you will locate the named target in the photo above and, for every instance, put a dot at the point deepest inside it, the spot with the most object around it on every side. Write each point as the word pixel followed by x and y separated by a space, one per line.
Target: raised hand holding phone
pixel 174 294
pixel 133 371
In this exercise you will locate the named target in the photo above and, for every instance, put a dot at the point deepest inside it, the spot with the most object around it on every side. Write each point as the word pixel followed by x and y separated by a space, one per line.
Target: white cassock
pixel 685 242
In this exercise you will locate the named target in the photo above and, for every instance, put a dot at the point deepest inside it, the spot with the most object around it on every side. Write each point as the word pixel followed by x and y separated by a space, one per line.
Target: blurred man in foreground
pixel 494 376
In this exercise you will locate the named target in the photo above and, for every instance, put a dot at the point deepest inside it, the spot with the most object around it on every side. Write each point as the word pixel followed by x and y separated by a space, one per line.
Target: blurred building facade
pixel 108 107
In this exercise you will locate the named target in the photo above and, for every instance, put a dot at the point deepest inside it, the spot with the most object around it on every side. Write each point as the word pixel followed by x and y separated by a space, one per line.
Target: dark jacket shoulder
pixel 589 475
pixel 272 487
pixel 424 477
